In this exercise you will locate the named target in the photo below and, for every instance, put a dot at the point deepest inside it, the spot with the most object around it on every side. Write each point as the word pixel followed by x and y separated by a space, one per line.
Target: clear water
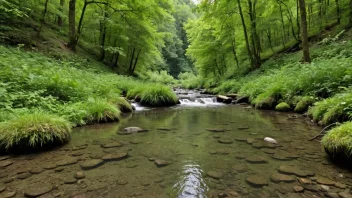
pixel 192 150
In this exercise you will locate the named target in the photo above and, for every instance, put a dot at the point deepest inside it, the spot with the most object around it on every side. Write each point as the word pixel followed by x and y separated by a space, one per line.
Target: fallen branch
pixel 336 123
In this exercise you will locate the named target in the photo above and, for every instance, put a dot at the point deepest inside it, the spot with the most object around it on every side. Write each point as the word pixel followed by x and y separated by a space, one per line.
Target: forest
pixel 70 63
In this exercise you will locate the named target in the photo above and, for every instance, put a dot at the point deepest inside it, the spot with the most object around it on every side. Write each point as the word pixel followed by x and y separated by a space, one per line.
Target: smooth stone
pixel 331 195
pixel 66 162
pixel 36 191
pixel 277 177
pixel 345 194
pixel 36 170
pixel 259 145
pixel 8 180
pixel 241 139
pixel 223 151
pixel 240 156
pixel 5 163
pixel 23 170
pixel 225 141
pixel 240 168
pixel 286 169
pixel 163 129
pixel 4 158
pixel 59 169
pixel 215 130
pixel 161 163
pixel 75 154
pixel 145 183
pixel 90 164
pixel 311 187
pixel 132 130
pixel 215 174
pixel 298 188
pixel 268 151
pixel 251 140
pixel 10 194
pixel 325 181
pixel 216 136
pixel 340 185
pixel 324 188
pixel 23 175
pixel 114 156
pixel 304 180
pixel 257 180
pixel 112 145
pixel 2 189
pixel 255 160
pixel 50 166
pixel 80 175
pixel 212 152
pixel 70 180
pixel 135 142
pixel 3 174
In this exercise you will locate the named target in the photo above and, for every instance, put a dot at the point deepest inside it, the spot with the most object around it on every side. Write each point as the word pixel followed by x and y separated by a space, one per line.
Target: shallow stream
pixel 207 152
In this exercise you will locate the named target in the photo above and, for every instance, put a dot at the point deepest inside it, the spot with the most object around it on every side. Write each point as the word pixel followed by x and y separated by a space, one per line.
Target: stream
pixel 198 149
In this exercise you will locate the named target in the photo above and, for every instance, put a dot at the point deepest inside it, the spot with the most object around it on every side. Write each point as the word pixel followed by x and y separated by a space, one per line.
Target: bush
pixel 159 77
pixel 283 106
pixel 338 141
pixel 34 130
pixel 230 86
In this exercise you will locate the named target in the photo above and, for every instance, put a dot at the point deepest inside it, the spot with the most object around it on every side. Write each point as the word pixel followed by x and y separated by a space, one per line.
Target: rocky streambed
pixel 218 151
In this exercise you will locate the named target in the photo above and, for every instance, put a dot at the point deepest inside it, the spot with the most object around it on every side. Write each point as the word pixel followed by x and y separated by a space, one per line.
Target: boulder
pixel 223 99
pixel 243 99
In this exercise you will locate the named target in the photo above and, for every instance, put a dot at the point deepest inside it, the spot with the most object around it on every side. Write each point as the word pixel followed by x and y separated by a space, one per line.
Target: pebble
pixel 298 188
pixel 325 181
pixel 80 175
pixel 36 170
pixel 161 163
pixel 257 180
pixel 90 164
pixel 36 191
pixel 255 159
pixel 10 194
pixel 70 180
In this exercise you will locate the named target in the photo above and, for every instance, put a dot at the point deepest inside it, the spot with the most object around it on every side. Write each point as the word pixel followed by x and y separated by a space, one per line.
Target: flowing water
pixel 202 163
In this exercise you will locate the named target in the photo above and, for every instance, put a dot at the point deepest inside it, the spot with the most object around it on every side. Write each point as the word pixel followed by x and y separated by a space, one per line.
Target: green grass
pixel 158 96
pixel 338 141
pixel 283 106
pixel 34 130
pixel 304 104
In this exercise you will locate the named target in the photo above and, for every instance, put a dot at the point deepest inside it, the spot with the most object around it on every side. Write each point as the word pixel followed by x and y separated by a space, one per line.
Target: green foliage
pixel 230 86
pixel 122 104
pixel 304 104
pixel 158 96
pixel 190 81
pixel 338 141
pixel 101 111
pixel 34 130
pixel 159 77
pixel 283 106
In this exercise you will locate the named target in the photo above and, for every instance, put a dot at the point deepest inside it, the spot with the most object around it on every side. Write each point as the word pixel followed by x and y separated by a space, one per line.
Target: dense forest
pixel 77 62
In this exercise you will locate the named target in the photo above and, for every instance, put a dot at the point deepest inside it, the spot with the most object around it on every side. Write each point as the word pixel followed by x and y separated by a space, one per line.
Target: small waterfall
pixel 200 102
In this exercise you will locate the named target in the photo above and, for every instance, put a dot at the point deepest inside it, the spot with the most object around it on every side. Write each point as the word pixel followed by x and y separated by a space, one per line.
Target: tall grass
pixel 338 141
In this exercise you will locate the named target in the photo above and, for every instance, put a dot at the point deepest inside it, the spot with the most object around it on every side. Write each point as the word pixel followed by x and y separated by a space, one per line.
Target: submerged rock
pixel 80 175
pixel 286 169
pixel 10 194
pixel 112 145
pixel 277 177
pixel 224 99
pixel 225 141
pixel 132 130
pixel 255 160
pixel 36 191
pixel 90 164
pixel 325 181
pixel 257 180
pixel 161 163
pixel 5 163
pixel 23 175
pixel 114 157
pixel 68 161
pixel 215 174
pixel 215 130
pixel 240 168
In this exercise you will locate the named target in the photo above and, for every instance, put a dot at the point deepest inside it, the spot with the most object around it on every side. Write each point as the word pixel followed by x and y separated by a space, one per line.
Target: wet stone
pixel 257 180
pixel 223 151
pixel 5 163
pixel 161 163
pixel 216 136
pixel 311 187
pixel 298 189
pixel 225 141
pixel 131 165
pixel 115 157
pixel 8 180
pixel 215 130
pixel 251 140
pixel 132 130
pixel 4 157
pixel 212 152
pixel 145 183
pixel 268 151
pixel 3 174
pixel 22 170
pixel 112 145
pixel 36 170
pixel 50 166
pixel 59 169
pixel 345 194
pixel 292 170
pixel 79 175
pixel 215 174
pixel 75 154
pixel 332 195
pixel 23 176
pixel 255 160
pixel 10 194
pixel 340 185
pixel 36 191
pixel 241 139
pixel 67 161
pixel 304 180
pixel 163 129
pixel 135 142
pixel 240 156
pixel 90 164
pixel 70 180
pixel 259 145
pixel 277 177
pixel 325 181
pixel 240 168
pixel 2 189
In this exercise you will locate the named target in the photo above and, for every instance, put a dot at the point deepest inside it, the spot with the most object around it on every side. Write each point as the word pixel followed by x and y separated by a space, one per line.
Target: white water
pixel 200 102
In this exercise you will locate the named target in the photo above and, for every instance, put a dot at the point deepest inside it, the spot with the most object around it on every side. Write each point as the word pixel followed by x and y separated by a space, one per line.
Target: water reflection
pixel 191 182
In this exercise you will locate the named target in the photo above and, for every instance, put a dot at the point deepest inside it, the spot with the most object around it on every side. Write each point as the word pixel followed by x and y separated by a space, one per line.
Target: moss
pixel 158 96
pixel 304 104
pixel 264 101
pixel 32 131
pixel 338 142
pixel 283 106
pixel 122 104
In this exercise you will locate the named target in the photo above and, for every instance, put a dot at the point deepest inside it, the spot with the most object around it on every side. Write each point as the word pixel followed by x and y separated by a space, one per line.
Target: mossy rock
pixel 283 106
pixel 266 103
pixel 338 142
pixel 303 104
pixel 34 131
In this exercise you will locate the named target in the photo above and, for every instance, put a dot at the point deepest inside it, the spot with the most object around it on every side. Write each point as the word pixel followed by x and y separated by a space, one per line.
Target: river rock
pixel 241 139
pixel 325 181
pixel 304 180
pixel 215 130
pixel 4 157
pixel 115 156
pixel 132 130
pixel 59 169
pixel 36 170
pixel 270 140
pixel 23 176
pixel 340 185
pixel 5 163
pixel 112 145
pixel 67 161
pixel 223 151
pixel 122 182
pixel 268 151
pixel 257 180
pixel 251 140
pixel 240 168
pixel 8 180
pixel 255 160
pixel 286 169
pixel 345 194
pixel 163 129
pixel 161 163
pixel 332 195
pixel 70 180
pixel 36 191
pixel 215 174
pixel 90 164
pixel 10 194
pixel 277 177
pixel 50 166
pixel 80 175
pixel 298 189
pixel 225 141
pixel 224 99
pixel 240 156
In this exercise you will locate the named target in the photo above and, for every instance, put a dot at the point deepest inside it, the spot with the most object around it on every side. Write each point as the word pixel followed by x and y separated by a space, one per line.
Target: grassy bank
pixel 73 91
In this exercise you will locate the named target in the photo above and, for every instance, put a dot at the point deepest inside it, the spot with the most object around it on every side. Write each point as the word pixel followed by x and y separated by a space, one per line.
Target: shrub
pixel 159 77
pixel 304 104
pixel 230 86
pixel 158 96
pixel 34 130
pixel 283 106
pixel 338 141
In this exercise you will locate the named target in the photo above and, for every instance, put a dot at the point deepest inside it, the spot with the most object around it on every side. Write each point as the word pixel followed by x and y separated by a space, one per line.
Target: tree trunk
pixel 297 20
pixel 61 9
pixel 254 35
pixel 102 36
pixel 72 24
pixel 338 11
pixel 131 61
pixel 350 17
pixel 136 61
pixel 43 18
pixel 304 33
pixel 282 23
pixel 79 28
pixel 245 34
pixel 268 33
